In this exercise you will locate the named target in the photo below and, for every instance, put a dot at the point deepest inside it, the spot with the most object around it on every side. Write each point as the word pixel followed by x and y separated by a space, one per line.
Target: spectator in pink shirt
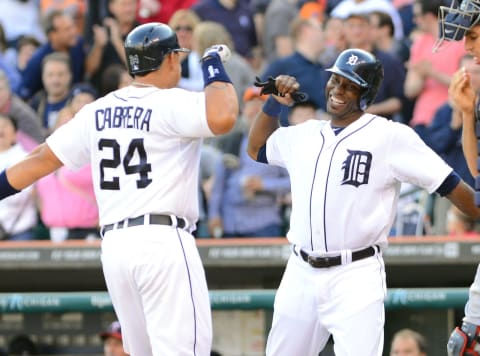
pixel 429 73
pixel 67 199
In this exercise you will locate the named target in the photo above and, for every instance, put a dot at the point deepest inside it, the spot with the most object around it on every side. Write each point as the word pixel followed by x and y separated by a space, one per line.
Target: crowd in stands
pixel 56 56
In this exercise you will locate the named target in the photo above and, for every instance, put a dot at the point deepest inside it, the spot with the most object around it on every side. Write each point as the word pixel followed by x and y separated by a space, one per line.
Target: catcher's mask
pixel 362 68
pixel 456 20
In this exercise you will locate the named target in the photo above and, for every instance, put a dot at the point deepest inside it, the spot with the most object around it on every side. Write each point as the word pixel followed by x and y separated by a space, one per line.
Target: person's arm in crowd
pixel 27 119
pixel 463 99
pixel 94 57
pixel 414 82
pixel 116 37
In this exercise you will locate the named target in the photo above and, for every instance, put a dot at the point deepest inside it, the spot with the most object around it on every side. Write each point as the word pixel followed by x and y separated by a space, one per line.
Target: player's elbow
pixel 222 119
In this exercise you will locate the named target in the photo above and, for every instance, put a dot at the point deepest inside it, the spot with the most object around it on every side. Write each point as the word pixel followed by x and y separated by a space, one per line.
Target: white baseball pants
pixel 346 302
pixel 157 284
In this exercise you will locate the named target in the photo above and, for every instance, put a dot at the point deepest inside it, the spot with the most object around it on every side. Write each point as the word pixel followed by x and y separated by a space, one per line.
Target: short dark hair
pixel 48 20
pixel 384 19
pixel 430 6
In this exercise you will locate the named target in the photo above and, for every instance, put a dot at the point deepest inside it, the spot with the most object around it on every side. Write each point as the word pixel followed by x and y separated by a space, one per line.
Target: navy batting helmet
pixel 362 68
pixel 146 46
pixel 457 19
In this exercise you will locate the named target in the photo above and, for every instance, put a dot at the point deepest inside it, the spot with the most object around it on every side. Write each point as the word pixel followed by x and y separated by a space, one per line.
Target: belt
pixel 331 261
pixel 155 219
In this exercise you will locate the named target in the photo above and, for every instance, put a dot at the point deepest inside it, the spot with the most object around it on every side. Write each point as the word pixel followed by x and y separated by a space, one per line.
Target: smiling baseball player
pixel 143 143
pixel 345 175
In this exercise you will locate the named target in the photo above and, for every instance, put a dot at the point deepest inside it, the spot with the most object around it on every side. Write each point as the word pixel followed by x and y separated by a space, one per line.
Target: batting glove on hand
pixel 220 50
pixel 464 341
pixel 269 87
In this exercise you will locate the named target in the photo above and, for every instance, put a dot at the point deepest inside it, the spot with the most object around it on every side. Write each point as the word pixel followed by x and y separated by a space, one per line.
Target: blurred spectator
pixel 383 36
pixel 97 11
pixel 62 37
pixel 207 34
pixel 428 73
pixel 116 76
pixel 334 40
pixel 21 18
pixel 30 132
pixel 277 42
pixel 209 157
pixel 57 82
pixel 444 136
pixel 245 194
pixel 347 7
pixel 407 342
pixel 8 54
pixel 236 16
pixel 183 22
pixel 302 111
pixel 75 8
pixel 67 188
pixel 112 340
pixel 26 47
pixel 389 99
pixel 309 42
pixel 160 11
pixel 106 47
pixel 405 10
pixel 18 213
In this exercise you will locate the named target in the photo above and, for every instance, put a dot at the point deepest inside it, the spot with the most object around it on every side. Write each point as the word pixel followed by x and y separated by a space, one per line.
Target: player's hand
pixel 285 88
pixel 464 341
pixel 461 94
pixel 220 50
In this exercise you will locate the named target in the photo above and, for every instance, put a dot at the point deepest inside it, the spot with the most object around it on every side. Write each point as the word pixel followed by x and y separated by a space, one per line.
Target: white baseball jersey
pixel 354 179
pixel 168 125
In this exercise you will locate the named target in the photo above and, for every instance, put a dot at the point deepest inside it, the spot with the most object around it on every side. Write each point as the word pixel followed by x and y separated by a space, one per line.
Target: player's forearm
pixel 263 126
pixel 469 142
pixel 40 162
pixel 462 196
pixel 221 107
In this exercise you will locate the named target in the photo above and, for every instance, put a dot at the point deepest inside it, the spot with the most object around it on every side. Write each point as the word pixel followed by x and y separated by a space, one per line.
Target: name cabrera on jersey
pixel 144 147
pixel 353 178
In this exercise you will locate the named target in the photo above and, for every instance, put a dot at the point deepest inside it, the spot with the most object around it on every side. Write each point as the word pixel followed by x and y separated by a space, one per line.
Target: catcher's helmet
pixel 146 46
pixel 457 19
pixel 362 68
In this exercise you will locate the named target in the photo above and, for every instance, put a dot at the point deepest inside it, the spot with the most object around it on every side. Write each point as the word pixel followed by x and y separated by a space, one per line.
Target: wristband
pixel 272 107
pixel 6 188
pixel 213 70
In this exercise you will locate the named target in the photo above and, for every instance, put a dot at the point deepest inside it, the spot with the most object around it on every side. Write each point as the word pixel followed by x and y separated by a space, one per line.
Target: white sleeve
pixel 186 115
pixel 414 162
pixel 71 141
pixel 279 146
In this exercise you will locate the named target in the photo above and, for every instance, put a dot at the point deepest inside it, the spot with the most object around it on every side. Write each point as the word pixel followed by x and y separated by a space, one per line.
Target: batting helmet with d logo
pixel 362 68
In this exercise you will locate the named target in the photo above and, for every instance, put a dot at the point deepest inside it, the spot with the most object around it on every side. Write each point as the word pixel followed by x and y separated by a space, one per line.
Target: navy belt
pixel 325 262
pixel 155 219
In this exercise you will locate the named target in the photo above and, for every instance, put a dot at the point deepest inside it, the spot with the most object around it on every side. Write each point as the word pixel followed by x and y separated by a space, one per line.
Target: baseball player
pixel 459 21
pixel 143 143
pixel 345 180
